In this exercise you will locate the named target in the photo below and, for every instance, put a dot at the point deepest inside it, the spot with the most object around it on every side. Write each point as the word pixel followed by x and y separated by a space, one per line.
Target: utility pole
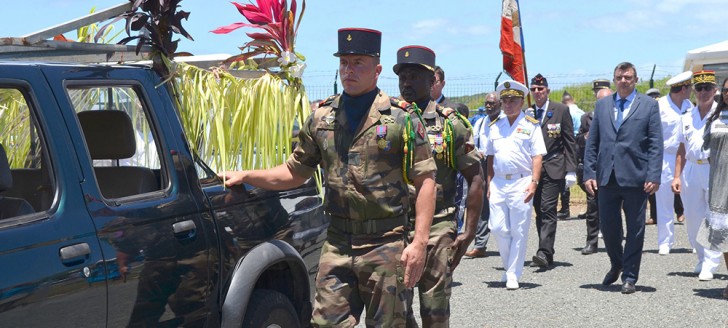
pixel 336 78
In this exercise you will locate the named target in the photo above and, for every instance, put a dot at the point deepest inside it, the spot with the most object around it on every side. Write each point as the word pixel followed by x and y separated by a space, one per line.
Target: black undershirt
pixel 357 107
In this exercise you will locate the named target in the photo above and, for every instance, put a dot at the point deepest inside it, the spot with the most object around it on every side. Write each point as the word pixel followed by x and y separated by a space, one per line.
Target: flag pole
pixel 523 51
pixel 525 78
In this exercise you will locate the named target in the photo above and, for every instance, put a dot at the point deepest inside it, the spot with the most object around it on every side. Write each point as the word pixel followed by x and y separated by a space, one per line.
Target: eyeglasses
pixel 490 103
pixel 624 77
pixel 705 87
pixel 537 88
pixel 724 90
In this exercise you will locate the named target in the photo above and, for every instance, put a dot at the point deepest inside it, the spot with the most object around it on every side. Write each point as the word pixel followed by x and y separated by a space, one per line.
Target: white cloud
pixel 429 26
pixel 632 21
pixel 649 15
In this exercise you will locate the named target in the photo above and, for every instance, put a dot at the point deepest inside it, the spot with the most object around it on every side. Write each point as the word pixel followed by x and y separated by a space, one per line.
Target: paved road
pixel 571 295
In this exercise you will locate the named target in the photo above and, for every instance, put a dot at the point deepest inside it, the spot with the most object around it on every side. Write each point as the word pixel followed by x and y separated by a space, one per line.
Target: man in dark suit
pixel 559 166
pixel 436 90
pixel 623 160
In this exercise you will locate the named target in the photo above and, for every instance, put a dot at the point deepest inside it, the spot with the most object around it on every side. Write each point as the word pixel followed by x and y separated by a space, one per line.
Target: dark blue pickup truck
pixel 107 219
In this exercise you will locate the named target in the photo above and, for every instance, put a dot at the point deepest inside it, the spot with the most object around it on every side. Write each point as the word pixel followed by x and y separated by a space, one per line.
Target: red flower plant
pixel 277 21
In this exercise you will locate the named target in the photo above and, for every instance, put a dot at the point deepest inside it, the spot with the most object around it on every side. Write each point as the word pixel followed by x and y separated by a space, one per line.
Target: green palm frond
pixel 237 123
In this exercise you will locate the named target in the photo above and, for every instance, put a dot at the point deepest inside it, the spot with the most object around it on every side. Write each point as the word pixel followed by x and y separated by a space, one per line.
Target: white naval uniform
pixel 481 129
pixel 670 116
pixel 695 184
pixel 513 148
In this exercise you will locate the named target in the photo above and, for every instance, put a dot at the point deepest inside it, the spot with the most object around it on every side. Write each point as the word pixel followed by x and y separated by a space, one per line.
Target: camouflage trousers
pixel 435 283
pixel 350 280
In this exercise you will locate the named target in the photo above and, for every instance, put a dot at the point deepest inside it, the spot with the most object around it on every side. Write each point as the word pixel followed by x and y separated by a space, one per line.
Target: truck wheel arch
pixel 248 272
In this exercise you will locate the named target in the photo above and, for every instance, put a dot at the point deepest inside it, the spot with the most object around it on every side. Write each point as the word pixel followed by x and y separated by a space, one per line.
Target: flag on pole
pixel 511 42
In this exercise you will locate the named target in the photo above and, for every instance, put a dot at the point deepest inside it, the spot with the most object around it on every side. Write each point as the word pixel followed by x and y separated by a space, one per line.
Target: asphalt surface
pixel 570 294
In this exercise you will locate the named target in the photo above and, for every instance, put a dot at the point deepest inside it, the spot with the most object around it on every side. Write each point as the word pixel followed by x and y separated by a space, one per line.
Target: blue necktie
pixel 620 113
pixel 539 113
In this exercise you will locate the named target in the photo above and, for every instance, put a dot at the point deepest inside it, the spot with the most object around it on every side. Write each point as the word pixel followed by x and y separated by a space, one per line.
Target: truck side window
pixel 26 182
pixel 120 140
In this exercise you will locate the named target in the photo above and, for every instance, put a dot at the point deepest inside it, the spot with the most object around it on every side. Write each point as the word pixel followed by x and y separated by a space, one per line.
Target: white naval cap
pixel 512 88
pixel 681 79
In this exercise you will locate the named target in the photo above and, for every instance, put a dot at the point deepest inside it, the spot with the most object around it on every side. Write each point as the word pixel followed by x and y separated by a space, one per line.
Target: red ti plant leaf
pixel 276 20
pixel 254 14
pixel 229 28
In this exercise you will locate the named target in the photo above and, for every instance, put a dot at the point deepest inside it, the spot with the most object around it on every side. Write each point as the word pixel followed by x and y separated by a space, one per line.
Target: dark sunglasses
pixel 490 103
pixel 537 88
pixel 724 90
pixel 701 88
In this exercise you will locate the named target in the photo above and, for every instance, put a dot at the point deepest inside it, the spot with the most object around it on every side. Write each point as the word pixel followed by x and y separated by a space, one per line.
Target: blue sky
pixel 566 40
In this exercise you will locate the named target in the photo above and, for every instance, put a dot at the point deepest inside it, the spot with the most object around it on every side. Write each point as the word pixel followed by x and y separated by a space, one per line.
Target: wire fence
pixel 474 93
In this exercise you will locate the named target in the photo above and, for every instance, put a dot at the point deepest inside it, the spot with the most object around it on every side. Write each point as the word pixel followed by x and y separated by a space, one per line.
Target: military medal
pixel 382 143
pixel 381 131
pixel 381 134
pixel 438 144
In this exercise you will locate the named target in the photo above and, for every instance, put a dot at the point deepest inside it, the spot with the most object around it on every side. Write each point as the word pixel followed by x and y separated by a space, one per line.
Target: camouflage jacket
pixel 364 171
pixel 451 140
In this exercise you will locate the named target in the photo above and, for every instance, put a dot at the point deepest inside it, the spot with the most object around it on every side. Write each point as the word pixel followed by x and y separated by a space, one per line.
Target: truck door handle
pixel 74 254
pixel 185 229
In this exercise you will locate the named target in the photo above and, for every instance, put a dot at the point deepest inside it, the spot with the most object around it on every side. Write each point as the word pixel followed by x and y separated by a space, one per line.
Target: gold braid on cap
pixel 511 93
pixel 704 78
pixel 679 84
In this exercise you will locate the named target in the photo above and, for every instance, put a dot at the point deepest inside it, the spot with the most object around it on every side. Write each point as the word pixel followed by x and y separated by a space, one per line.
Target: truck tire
pixel 270 309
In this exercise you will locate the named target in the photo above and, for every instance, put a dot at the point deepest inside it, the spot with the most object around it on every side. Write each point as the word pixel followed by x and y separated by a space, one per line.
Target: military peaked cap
pixel 415 55
pixel 359 41
pixel 601 84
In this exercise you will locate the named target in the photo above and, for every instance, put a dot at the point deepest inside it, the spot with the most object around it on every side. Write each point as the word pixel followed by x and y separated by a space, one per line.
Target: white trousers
pixel 665 200
pixel 695 191
pixel 510 219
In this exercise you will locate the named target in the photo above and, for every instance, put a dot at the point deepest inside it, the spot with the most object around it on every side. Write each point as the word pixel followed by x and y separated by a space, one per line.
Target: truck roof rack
pixel 37 46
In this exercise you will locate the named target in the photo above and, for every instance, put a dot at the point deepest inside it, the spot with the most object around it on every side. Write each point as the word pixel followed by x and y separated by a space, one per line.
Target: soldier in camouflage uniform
pixel 370 148
pixel 451 141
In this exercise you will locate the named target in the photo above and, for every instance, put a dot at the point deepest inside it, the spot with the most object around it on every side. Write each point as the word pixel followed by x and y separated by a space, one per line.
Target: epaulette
pixel 445 111
pixel 532 119
pixel 453 114
pixel 496 120
pixel 399 103
pixel 328 101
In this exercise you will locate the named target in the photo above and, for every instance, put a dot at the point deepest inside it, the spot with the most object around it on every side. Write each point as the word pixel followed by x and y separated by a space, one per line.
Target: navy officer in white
pixel 623 160
pixel 515 149
pixel 671 107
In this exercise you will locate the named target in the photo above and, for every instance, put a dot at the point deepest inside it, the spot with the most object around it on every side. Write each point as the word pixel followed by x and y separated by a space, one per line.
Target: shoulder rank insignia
pixel 386 119
pixel 399 103
pixel 328 101
pixel 496 120
pixel 446 111
pixel 532 119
